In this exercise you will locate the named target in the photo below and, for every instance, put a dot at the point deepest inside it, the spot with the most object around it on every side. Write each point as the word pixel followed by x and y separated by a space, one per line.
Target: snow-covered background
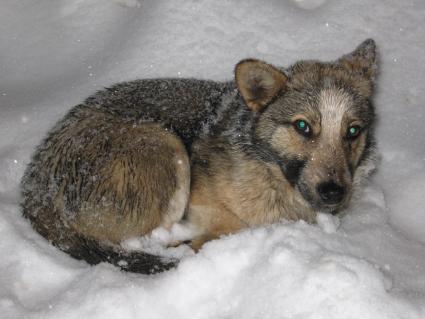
pixel 368 264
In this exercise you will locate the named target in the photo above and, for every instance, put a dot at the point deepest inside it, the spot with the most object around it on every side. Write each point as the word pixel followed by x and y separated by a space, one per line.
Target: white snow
pixel 370 263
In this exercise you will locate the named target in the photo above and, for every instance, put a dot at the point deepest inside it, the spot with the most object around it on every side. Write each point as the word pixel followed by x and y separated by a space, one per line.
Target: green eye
pixel 353 132
pixel 302 128
pixel 301 124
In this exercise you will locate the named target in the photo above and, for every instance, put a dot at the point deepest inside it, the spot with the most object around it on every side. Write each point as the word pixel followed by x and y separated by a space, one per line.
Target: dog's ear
pixel 258 82
pixel 362 60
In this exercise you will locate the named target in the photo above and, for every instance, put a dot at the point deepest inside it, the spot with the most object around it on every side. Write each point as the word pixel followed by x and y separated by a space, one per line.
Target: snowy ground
pixel 368 264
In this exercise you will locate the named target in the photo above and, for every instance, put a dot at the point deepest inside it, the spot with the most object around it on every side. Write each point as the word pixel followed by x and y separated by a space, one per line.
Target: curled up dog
pixel 275 143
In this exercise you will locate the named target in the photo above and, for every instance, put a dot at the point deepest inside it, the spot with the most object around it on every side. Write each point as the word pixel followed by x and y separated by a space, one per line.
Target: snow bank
pixel 367 264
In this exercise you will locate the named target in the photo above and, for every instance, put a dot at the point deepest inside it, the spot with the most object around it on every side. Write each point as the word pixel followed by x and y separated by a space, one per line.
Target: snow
pixel 369 263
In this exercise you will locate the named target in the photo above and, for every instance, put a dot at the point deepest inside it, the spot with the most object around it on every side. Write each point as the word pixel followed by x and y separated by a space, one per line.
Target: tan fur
pixel 126 187
pixel 251 193
pixel 178 202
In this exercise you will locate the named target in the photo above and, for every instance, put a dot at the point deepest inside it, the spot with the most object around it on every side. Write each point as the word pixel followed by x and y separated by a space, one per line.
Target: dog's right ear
pixel 258 82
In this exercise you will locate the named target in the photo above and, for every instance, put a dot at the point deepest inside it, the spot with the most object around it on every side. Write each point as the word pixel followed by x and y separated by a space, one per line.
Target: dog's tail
pixel 94 253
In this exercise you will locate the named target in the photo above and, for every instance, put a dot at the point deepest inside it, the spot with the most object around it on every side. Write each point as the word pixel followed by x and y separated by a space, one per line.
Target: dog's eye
pixel 353 132
pixel 302 127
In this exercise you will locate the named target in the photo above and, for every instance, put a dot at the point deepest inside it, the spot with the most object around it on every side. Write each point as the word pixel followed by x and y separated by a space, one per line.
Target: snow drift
pixel 369 263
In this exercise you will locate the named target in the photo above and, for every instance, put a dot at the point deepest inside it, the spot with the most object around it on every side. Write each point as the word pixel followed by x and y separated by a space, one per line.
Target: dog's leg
pixel 124 181
pixel 212 221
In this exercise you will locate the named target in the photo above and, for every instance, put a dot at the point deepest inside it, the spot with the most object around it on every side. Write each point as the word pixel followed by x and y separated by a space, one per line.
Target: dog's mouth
pixel 328 209
pixel 332 210
pixel 323 205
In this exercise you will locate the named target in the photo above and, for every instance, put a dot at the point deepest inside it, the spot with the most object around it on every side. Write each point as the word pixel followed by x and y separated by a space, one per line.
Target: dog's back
pixel 183 105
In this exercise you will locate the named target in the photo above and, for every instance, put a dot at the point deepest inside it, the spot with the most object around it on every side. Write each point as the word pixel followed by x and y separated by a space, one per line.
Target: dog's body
pixel 272 145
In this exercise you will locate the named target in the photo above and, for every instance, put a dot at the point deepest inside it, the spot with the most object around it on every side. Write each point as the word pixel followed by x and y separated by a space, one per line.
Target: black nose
pixel 331 193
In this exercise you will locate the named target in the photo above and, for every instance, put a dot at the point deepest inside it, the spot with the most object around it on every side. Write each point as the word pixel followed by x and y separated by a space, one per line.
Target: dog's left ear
pixel 258 83
pixel 362 60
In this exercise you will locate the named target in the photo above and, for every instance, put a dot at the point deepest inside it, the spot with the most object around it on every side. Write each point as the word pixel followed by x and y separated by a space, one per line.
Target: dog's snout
pixel 330 192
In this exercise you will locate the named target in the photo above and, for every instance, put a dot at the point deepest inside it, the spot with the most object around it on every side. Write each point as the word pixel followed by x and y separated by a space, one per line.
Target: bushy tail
pixel 92 251
pixel 134 261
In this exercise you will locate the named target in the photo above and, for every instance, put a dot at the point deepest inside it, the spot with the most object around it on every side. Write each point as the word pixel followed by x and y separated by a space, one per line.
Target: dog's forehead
pixel 325 91
pixel 333 103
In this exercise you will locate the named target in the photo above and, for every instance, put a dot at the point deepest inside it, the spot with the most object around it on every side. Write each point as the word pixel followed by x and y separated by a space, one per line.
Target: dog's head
pixel 317 119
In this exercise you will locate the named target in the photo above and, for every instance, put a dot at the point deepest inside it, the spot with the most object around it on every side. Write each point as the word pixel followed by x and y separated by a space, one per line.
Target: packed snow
pixel 367 263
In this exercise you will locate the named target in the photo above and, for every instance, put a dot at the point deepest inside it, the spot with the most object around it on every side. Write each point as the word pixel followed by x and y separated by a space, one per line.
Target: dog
pixel 275 143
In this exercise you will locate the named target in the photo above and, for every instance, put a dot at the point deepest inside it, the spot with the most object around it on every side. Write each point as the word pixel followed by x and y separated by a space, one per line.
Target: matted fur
pixel 225 155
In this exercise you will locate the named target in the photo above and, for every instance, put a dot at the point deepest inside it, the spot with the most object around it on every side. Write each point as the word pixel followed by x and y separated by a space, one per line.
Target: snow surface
pixel 370 263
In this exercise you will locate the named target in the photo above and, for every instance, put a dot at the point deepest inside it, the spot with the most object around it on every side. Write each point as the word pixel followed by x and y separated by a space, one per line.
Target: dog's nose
pixel 331 193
